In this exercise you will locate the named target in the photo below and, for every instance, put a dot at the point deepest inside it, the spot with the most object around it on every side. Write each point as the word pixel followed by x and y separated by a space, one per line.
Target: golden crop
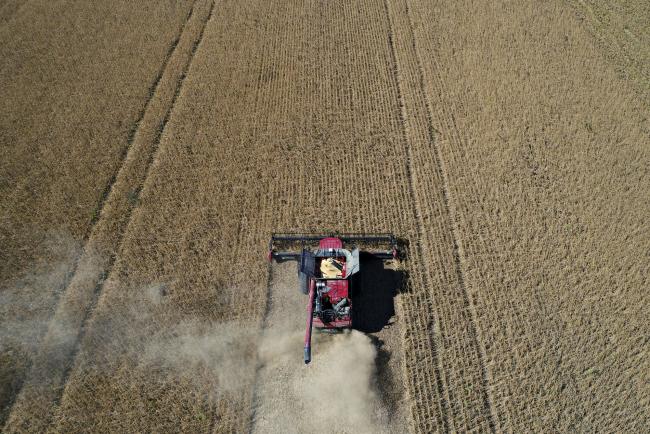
pixel 503 140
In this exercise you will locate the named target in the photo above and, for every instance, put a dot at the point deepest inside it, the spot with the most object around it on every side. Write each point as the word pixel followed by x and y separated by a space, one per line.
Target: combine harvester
pixel 327 271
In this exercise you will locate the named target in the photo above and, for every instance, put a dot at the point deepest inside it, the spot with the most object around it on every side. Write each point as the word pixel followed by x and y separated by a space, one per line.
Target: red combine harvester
pixel 327 273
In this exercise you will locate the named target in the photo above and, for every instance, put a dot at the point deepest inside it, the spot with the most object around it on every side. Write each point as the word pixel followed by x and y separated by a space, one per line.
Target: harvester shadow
pixel 373 304
pixel 373 309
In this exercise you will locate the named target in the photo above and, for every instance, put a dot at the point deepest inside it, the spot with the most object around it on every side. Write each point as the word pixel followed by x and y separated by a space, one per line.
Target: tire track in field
pixel 149 163
pixel 46 383
pixel 625 48
pixel 444 399
pixel 109 186
pixel 452 222
pixel 122 158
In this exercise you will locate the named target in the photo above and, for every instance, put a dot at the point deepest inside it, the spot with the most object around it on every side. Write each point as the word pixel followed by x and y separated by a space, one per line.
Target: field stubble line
pixel 152 90
pixel 417 214
pixel 109 186
pixel 104 238
pixel 132 133
pixel 179 85
pixel 106 272
pixel 458 259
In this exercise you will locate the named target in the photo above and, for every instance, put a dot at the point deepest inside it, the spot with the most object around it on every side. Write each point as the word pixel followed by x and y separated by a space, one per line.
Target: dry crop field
pixel 148 150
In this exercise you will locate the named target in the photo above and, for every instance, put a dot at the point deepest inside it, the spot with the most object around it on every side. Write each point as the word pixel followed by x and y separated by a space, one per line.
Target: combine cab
pixel 327 272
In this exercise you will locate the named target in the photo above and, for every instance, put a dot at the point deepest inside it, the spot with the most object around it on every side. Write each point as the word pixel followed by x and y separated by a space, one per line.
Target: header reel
pixel 289 246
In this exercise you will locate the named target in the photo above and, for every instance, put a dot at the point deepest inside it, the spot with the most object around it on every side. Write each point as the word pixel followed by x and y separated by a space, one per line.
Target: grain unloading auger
pixel 328 265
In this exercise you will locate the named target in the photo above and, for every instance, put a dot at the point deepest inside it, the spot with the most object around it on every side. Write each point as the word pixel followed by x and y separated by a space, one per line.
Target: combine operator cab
pixel 325 274
pixel 331 268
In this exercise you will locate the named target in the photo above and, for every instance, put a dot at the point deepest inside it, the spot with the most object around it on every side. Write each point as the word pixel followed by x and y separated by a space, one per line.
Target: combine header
pixel 327 265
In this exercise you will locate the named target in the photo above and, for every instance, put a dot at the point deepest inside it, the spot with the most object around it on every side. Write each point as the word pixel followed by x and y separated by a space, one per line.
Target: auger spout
pixel 310 320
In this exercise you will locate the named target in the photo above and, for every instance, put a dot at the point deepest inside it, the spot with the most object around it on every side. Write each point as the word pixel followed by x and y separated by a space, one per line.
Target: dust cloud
pixel 27 302
pixel 338 392
pixel 28 299
pixel 224 351
pixel 335 393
